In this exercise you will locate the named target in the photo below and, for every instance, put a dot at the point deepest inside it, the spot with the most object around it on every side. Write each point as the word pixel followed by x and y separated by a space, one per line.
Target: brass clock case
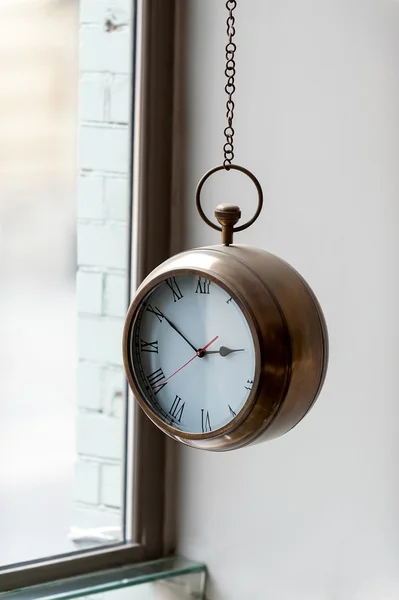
pixel 289 333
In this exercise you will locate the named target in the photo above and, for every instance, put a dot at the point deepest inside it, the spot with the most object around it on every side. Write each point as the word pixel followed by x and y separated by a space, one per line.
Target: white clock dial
pixel 192 354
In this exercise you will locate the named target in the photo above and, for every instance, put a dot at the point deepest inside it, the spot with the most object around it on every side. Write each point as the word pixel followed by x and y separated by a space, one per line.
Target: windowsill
pixel 122 577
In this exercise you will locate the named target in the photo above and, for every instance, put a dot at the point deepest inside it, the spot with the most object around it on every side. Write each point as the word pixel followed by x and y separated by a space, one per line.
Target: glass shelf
pixel 166 578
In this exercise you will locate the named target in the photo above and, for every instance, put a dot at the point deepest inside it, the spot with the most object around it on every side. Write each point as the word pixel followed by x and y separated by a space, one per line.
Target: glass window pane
pixel 64 221
pixel 166 578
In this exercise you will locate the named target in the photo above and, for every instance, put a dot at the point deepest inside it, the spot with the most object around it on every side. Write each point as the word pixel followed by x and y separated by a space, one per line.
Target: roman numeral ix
pixel 205 421
pixel 149 346
pixel 176 410
pixel 154 380
pixel 202 286
pixel 177 295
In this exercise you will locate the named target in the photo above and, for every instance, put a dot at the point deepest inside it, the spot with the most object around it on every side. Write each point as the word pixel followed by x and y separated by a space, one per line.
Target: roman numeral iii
pixel 202 286
pixel 154 380
pixel 205 421
pixel 171 283
pixel 177 408
pixel 149 346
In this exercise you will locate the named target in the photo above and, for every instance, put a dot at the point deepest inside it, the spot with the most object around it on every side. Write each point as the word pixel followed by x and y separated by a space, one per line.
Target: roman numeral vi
pixel 205 421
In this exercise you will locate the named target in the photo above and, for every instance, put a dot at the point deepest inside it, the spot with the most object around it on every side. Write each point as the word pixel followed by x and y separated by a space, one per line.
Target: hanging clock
pixel 225 345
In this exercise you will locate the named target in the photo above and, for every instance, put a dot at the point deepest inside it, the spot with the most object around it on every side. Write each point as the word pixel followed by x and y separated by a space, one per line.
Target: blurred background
pixel 38 134
pixel 38 158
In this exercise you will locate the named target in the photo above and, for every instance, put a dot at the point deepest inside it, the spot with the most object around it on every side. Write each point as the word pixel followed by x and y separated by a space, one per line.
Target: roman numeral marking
pixel 177 295
pixel 229 300
pixel 249 384
pixel 233 414
pixel 176 410
pixel 202 286
pixel 149 346
pixel 154 380
pixel 205 421
pixel 155 311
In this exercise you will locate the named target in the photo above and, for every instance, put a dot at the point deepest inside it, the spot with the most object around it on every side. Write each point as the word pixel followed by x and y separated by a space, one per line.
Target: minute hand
pixel 223 351
pixel 179 332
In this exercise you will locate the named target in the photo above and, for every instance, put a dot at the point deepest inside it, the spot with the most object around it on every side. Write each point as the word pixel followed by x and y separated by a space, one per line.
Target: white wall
pixel 103 217
pixel 314 514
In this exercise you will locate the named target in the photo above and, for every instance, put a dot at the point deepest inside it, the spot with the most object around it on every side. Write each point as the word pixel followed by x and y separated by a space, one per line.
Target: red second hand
pixel 188 362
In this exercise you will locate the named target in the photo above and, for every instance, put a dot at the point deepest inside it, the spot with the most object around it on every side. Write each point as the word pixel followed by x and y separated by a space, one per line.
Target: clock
pixel 225 346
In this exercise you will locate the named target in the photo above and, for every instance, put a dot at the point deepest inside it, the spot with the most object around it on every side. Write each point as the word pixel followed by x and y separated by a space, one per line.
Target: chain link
pixel 228 148
pixel 230 87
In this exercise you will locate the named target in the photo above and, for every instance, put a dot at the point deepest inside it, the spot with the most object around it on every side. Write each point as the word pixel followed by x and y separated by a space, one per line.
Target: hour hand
pixel 223 351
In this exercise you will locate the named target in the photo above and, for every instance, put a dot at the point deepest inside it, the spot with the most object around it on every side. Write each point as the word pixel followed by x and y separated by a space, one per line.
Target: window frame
pixel 148 510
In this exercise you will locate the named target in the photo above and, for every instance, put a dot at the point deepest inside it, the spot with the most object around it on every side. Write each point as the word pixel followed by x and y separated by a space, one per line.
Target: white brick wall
pixel 112 399
pixel 103 51
pixel 115 295
pixel 90 386
pixel 103 147
pixel 116 198
pixel 119 106
pixel 99 436
pixel 103 222
pixel 102 244
pixel 111 484
pixel 88 481
pixel 90 292
pixel 92 97
pixel 93 11
pixel 90 196
pixel 100 339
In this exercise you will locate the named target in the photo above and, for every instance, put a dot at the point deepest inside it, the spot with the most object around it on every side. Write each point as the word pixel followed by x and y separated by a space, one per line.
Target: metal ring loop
pixel 224 168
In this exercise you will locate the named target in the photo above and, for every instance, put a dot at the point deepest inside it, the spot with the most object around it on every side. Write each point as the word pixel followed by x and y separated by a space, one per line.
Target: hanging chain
pixel 230 87
pixel 227 214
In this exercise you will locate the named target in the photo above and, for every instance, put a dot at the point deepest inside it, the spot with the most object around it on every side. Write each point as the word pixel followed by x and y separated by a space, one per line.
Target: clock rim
pixel 131 317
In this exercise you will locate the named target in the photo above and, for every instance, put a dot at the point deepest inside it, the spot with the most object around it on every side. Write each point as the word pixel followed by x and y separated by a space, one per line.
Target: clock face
pixel 192 354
